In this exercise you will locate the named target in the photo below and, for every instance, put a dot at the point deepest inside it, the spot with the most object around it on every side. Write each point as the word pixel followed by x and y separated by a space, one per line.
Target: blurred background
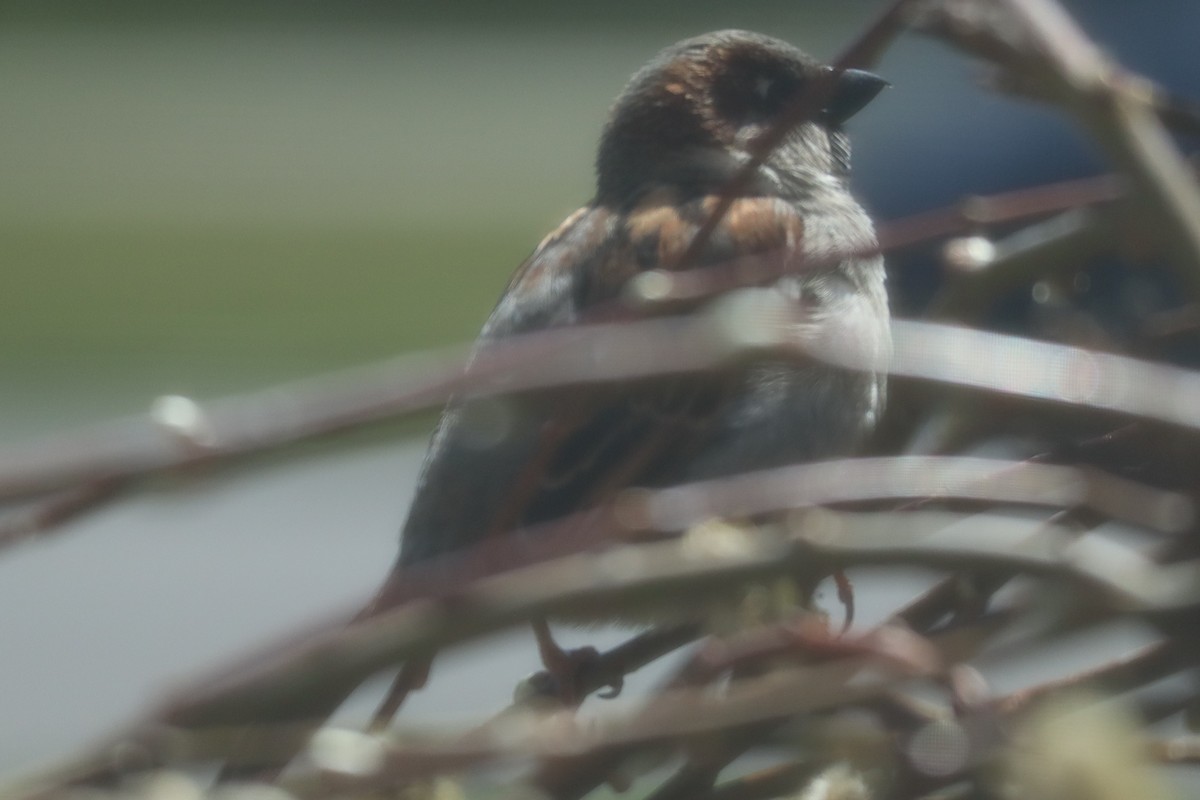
pixel 211 198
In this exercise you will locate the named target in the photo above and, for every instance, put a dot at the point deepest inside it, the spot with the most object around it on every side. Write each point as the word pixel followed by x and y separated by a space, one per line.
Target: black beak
pixel 853 89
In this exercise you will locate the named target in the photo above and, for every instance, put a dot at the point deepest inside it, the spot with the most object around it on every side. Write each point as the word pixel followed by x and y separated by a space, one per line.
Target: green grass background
pixel 212 200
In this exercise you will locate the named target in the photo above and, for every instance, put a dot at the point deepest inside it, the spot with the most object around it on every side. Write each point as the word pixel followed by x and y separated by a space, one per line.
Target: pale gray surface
pixel 100 621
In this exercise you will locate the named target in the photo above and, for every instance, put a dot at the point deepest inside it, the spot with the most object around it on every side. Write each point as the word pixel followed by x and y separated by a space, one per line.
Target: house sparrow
pixel 676 136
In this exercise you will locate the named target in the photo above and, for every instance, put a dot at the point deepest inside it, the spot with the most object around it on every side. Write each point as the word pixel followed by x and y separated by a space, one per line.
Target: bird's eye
pixel 762 87
pixel 755 94
pixel 771 93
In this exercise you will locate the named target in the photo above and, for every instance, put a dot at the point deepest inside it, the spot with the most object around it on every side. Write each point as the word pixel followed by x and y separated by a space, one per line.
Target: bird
pixel 675 141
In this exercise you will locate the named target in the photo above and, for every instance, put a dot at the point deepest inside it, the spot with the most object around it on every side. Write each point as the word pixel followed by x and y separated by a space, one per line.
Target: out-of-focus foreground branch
pixel 1082 515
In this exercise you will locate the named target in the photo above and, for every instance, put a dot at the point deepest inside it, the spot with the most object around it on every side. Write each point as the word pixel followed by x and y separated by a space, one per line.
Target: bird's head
pixel 690 117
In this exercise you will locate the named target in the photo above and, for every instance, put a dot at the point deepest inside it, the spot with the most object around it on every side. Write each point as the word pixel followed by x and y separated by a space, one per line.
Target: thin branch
pixel 865 49
pixel 45 515
pixel 1146 665
pixel 1043 53
pixel 633 577
pixel 748 324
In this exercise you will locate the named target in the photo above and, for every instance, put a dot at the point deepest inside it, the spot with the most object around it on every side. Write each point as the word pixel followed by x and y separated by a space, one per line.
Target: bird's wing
pixel 496 464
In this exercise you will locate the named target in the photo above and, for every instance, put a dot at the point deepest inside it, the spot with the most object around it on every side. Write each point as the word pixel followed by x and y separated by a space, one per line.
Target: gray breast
pixel 789 412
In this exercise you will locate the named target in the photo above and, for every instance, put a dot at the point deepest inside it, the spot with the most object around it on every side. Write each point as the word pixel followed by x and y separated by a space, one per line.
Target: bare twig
pixel 47 514
pixel 1140 668
pixel 747 324
pixel 1044 53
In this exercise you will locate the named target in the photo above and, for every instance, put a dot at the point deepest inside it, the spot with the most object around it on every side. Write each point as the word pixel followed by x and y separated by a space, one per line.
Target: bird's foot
pixel 573 673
